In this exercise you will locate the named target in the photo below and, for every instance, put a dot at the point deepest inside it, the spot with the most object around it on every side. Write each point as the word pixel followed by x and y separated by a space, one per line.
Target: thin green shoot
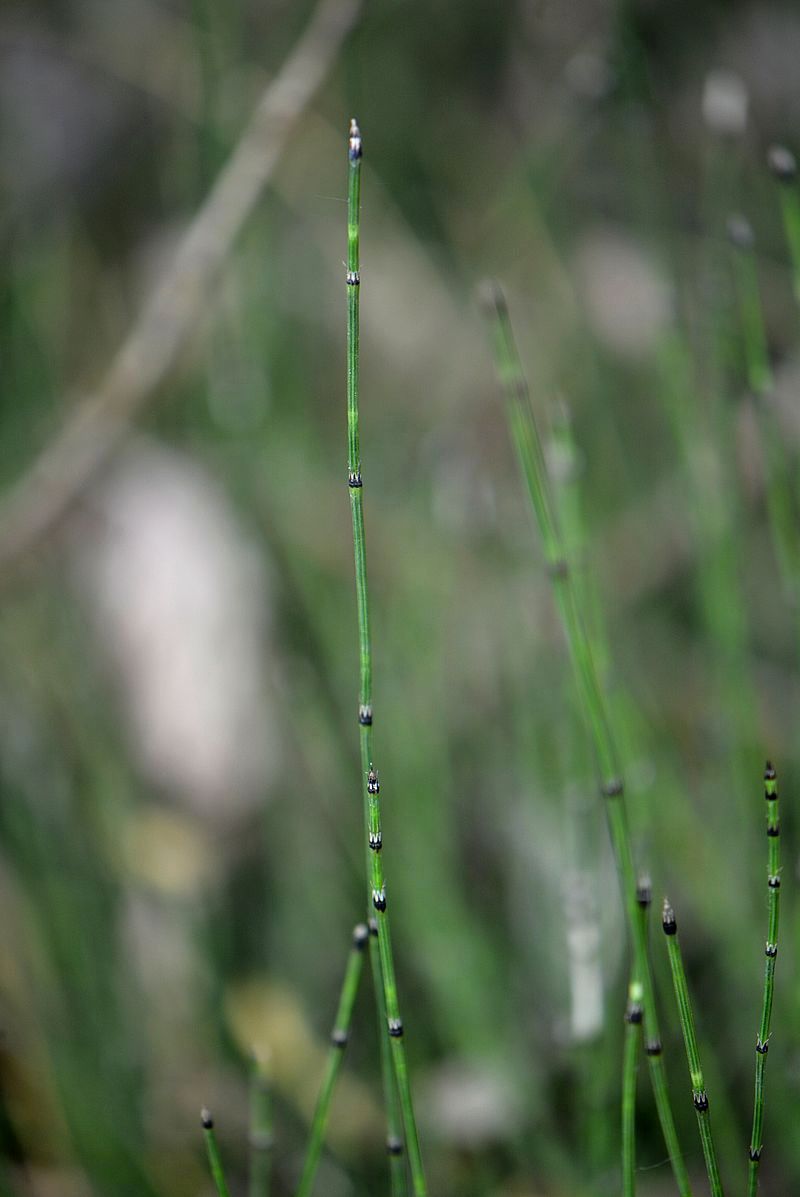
pixel 784 169
pixel 761 382
pixel 699 1095
pixel 339 1039
pixel 630 1064
pixel 213 1153
pixel 261 1135
pixel 528 445
pixel 771 952
pixel 370 781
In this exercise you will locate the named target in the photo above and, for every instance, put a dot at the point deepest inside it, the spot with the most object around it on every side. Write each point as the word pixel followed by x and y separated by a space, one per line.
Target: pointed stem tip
pixel 668 921
pixel 355 141
pixel 206 1119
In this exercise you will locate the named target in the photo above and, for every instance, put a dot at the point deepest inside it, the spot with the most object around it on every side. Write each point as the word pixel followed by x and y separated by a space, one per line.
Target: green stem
pixel 213 1153
pixel 630 1060
pixel 762 1042
pixel 372 808
pixel 529 450
pixel 699 1096
pixel 784 169
pixel 261 1139
pixel 339 1037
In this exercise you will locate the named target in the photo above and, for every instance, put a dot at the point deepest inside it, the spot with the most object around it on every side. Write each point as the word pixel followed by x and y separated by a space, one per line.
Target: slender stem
pixel 699 1095
pixel 529 450
pixel 771 950
pixel 339 1037
pixel 780 506
pixel 261 1138
pixel 630 1061
pixel 784 169
pixel 213 1153
pixel 371 784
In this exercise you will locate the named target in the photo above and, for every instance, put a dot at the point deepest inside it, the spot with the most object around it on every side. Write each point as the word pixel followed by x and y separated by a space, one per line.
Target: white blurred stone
pixel 725 103
pixel 627 300
pixel 179 597
pixel 470 1105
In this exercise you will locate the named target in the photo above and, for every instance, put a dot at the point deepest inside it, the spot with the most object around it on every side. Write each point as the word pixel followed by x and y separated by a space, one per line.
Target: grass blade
pixel 699 1095
pixel 771 950
pixel 528 444
pixel 371 784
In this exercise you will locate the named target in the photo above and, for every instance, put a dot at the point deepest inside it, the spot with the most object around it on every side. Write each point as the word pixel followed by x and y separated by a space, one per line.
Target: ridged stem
pixel 339 1038
pixel 372 808
pixel 528 445
pixel 784 169
pixel 699 1095
pixel 214 1159
pixel 771 952
pixel 630 1062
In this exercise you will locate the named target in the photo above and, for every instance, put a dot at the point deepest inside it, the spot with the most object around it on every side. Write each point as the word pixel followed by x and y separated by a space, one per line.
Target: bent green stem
pixel 528 445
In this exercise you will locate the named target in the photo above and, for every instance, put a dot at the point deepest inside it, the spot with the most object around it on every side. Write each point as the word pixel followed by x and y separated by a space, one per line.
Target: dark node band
pixel 394 1146
pixel 769 773
pixel 653 1048
pixel 558 568
pixel 373 785
pixel 700 1101
pixel 612 788
pixel 774 883
pixel 395 1028
pixel 339 1038
pixel 354 479
pixel 669 924
pixel 360 935
pixel 353 278
pixel 379 899
pixel 206 1119
pixel 633 1014
pixel 373 927
pixel 376 842
pixel 754 1154
pixel 773 831
pixel 762 1048
pixel 771 950
pixel 644 892
pixel 365 716
pixel 771 795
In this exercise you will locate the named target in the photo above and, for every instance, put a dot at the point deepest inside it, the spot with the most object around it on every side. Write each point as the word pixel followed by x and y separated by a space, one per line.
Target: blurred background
pixel 181 847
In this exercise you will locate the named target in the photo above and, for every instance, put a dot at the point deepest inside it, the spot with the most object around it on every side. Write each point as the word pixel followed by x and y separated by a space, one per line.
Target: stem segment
pixel 339 1037
pixel 630 1058
pixel 762 1042
pixel 371 783
pixel 213 1153
pixel 699 1096
pixel 784 169
pixel 531 457
pixel 261 1140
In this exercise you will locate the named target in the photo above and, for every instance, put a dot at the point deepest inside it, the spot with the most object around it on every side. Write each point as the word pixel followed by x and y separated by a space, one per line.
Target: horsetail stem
pixel 261 1139
pixel 213 1153
pixel 339 1037
pixel 771 951
pixel 760 380
pixel 630 1060
pixel 371 783
pixel 699 1096
pixel 784 168
pixel 531 457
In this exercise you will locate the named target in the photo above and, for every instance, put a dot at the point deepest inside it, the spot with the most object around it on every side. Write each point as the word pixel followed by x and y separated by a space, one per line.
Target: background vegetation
pixel 181 855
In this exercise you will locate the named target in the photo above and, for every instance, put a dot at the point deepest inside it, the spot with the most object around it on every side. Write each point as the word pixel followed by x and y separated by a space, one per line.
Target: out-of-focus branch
pixel 99 420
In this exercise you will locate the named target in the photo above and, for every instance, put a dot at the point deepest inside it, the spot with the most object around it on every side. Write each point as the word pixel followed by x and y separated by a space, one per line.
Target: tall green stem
pixel 371 783
pixel 784 169
pixel 213 1154
pixel 630 1059
pixel 531 457
pixel 771 950
pixel 339 1037
pixel 699 1095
